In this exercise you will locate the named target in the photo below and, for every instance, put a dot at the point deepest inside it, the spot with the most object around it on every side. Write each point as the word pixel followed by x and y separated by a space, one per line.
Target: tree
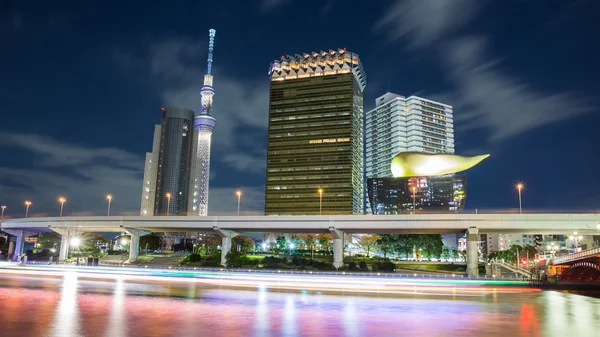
pixel 281 242
pixel 405 244
pixel 386 243
pixel 367 242
pixel 528 252
pixel 211 243
pixel 510 255
pixel 309 242
pixel 294 243
pixel 149 242
pixel 430 244
pixel 454 255
pixel 243 243
pixel 325 240
pixel 236 259
pixel 446 254
pixel 463 254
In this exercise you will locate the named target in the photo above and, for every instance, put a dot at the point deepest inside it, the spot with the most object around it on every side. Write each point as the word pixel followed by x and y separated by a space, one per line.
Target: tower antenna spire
pixel 204 125
pixel 211 46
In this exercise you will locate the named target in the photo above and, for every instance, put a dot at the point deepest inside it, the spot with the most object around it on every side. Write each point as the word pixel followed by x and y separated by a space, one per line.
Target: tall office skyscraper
pixel 315 134
pixel 405 124
pixel 204 124
pixel 167 168
pixel 174 159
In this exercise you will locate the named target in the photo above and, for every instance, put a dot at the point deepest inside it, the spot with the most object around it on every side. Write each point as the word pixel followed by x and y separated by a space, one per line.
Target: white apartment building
pixel 150 173
pixel 405 124
pixel 500 242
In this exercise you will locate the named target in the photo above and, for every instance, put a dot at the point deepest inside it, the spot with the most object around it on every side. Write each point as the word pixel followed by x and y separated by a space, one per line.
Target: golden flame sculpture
pixel 415 164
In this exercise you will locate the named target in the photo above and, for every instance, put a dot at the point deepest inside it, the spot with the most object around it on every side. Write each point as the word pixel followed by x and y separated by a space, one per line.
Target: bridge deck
pixel 586 254
pixel 585 224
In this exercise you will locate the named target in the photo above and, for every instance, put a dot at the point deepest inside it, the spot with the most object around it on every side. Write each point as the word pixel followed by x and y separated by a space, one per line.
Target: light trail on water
pixel 333 283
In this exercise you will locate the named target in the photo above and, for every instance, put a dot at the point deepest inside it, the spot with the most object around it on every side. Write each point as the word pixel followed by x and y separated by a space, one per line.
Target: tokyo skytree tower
pixel 204 124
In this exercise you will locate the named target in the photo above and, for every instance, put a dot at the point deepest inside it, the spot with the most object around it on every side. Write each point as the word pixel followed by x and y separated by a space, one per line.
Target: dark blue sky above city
pixel 82 87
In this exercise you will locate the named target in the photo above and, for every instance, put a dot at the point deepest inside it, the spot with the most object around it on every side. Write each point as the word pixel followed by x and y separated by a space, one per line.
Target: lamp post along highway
pixel 109 198
pixel 239 198
pixel 520 188
pixel 320 201
pixel 414 190
pixel 62 204
pixel 2 216
pixel 27 204
pixel 168 202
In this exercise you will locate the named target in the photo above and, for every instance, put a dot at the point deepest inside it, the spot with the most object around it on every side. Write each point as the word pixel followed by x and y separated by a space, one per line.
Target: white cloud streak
pixel 423 22
pixel 84 175
pixel 270 5
pixel 490 99
pixel 485 96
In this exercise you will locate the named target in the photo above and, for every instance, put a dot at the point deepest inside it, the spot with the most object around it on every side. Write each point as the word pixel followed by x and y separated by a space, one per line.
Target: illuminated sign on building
pixel 333 140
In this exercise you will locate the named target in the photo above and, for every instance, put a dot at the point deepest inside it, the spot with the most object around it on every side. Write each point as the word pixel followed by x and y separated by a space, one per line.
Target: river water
pixel 72 306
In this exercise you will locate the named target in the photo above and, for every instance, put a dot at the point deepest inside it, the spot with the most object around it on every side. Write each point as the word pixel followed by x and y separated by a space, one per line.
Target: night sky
pixel 82 87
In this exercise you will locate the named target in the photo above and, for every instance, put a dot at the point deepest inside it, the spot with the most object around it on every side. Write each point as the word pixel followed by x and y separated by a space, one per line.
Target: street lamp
pixel 520 188
pixel 62 204
pixel 123 241
pixel 27 204
pixel 239 197
pixel 168 202
pixel 109 198
pixel 552 247
pixel 2 216
pixel 75 242
pixel 576 238
pixel 320 190
pixel 414 190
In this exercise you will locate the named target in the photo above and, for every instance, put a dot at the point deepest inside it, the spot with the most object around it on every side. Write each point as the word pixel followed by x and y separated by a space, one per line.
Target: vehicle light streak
pixel 335 283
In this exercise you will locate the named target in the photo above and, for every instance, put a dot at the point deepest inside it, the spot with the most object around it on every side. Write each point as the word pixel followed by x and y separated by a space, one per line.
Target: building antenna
pixel 211 46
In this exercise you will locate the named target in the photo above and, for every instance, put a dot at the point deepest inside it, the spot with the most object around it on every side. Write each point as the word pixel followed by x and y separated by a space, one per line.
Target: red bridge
pixel 579 267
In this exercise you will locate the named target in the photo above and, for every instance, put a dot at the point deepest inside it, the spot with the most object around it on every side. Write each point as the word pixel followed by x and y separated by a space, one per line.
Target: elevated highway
pixel 229 226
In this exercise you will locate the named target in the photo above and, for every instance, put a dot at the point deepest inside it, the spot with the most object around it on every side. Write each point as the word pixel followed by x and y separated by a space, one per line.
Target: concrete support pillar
pixel 134 244
pixel 63 251
pixel 338 247
pixel 65 240
pixel 19 242
pixel 11 246
pixel 472 260
pixel 226 236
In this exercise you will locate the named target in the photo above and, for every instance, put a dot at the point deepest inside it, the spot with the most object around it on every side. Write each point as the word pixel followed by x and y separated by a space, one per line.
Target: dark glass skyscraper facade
pixel 174 159
pixel 315 135
pixel 440 194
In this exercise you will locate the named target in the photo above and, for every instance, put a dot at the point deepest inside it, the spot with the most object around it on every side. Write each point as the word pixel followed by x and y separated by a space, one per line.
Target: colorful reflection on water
pixel 72 306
